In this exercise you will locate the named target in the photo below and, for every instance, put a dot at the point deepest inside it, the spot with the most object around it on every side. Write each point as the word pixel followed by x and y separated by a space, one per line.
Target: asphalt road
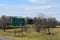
pixel 1 38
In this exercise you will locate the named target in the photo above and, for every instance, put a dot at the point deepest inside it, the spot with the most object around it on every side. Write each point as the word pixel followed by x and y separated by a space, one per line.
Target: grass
pixel 32 35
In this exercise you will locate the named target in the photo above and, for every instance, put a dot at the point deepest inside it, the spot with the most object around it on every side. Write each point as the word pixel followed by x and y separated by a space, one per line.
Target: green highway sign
pixel 18 21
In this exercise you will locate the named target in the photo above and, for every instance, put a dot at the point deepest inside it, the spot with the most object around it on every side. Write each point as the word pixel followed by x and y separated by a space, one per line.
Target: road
pixel 1 38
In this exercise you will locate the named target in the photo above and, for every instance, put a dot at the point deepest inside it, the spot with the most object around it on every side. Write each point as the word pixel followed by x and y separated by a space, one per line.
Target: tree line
pixel 39 22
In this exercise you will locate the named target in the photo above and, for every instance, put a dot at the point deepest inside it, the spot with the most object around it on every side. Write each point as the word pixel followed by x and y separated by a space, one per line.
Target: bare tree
pixel 38 24
pixel 3 22
pixel 42 22
pixel 51 23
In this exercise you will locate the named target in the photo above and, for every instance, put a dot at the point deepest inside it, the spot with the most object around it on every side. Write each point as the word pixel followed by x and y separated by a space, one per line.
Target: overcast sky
pixel 30 8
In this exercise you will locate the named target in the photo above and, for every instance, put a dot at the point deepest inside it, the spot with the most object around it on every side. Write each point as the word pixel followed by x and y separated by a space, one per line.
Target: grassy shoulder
pixel 32 35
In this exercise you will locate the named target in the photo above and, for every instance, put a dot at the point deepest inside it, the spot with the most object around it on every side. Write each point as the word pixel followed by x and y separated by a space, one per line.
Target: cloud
pixel 39 0
pixel 27 8
pixel 33 1
pixel 53 14
pixel 4 6
pixel 41 7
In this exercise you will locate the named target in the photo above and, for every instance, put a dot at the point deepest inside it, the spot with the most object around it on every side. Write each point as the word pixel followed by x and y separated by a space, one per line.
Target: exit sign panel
pixel 18 21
